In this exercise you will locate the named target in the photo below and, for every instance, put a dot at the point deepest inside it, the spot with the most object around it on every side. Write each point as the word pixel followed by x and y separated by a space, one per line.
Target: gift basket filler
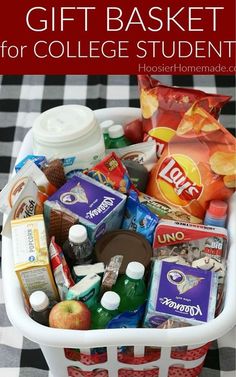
pixel 119 245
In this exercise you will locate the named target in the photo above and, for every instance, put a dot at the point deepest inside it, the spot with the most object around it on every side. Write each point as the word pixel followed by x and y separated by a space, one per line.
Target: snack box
pixel 99 207
pixel 31 258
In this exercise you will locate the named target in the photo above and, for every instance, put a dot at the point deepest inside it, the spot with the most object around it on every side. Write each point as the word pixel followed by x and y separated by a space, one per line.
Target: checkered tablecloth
pixel 22 98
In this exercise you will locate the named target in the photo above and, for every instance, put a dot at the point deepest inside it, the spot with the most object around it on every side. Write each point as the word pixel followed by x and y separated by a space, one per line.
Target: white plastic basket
pixel 59 346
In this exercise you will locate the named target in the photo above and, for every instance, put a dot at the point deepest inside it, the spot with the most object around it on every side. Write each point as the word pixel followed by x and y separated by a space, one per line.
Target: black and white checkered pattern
pixel 22 98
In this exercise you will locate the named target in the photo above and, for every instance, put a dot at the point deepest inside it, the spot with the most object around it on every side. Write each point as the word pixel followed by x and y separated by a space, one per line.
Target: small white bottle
pixel 40 305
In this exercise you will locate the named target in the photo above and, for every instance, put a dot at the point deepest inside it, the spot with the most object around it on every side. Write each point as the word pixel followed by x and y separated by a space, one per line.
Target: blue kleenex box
pixel 99 207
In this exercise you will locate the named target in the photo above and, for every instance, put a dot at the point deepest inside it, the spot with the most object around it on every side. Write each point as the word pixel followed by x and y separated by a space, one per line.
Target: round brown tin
pixel 133 246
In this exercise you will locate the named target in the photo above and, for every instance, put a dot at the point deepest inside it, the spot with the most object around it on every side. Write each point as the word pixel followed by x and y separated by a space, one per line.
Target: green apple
pixel 71 314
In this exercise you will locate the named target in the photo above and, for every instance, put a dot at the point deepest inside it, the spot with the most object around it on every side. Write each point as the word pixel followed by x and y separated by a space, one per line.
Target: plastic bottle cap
pixel 106 124
pixel 110 300
pixel 39 301
pixel 217 208
pixel 77 233
pixel 135 270
pixel 116 131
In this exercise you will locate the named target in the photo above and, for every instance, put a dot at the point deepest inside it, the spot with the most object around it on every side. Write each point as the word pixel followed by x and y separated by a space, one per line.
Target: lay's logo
pixel 179 180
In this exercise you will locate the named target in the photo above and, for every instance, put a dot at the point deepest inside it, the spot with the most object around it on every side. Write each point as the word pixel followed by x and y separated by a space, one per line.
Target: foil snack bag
pixel 198 165
pixel 163 107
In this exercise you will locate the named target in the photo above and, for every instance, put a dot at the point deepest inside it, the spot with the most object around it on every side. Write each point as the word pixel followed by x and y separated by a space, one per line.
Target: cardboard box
pixel 31 258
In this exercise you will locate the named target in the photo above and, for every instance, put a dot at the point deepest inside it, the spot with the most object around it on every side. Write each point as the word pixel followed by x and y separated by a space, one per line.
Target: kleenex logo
pixel 105 204
pixel 192 310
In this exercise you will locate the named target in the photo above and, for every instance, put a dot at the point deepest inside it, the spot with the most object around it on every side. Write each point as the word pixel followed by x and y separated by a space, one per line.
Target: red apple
pixel 134 131
pixel 71 314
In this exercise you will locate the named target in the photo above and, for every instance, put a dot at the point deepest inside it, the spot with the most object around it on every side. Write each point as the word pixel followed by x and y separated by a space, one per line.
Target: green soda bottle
pixel 131 287
pixel 105 125
pixel 117 137
pixel 106 310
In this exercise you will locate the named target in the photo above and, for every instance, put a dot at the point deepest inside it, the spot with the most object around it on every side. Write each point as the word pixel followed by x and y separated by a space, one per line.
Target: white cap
pixel 77 233
pixel 110 300
pixel 135 270
pixel 116 131
pixel 106 124
pixel 39 301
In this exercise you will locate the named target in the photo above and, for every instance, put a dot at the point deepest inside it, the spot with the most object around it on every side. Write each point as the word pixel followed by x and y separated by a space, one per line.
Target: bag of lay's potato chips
pixel 197 165
pixel 164 106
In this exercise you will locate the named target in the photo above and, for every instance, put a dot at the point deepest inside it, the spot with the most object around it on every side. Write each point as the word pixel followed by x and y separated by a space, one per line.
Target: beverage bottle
pixel 78 249
pixel 117 137
pixel 41 307
pixel 105 125
pixel 131 287
pixel 216 213
pixel 106 310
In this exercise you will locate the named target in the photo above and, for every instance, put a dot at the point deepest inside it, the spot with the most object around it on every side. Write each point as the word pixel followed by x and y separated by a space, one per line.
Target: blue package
pixel 129 319
pixel 139 218
pixel 38 160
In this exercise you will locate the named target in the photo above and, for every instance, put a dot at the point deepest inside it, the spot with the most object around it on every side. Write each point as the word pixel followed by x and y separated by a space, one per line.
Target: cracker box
pixel 99 207
pixel 31 257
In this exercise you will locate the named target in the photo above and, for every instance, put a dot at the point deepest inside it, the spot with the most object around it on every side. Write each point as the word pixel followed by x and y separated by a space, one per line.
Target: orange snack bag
pixel 198 165
pixel 164 106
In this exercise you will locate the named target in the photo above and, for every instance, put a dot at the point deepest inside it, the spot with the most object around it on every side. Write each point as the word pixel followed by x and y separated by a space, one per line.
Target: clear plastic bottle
pixel 117 137
pixel 41 307
pixel 105 125
pixel 106 310
pixel 216 213
pixel 131 287
pixel 78 249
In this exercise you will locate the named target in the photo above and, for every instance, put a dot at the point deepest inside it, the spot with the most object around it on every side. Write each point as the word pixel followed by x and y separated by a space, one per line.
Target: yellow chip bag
pixel 198 165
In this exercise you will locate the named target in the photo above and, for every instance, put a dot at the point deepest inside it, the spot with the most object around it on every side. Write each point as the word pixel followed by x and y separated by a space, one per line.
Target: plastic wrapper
pixel 38 160
pixel 111 273
pixel 144 153
pixel 60 269
pixel 195 164
pixel 111 172
pixel 54 172
pixel 10 193
pixel 28 203
pixel 139 218
pixel 163 107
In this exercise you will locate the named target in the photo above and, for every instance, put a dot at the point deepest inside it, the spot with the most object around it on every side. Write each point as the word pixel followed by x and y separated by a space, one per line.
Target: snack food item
pixel 111 273
pixel 180 293
pixel 54 172
pixel 184 176
pixel 165 210
pixel 31 258
pixel 138 174
pixel 58 223
pixel 139 218
pixel 112 173
pixel 60 269
pixel 99 208
pixel 11 192
pixel 144 153
pixel 163 107
pixel 38 160
pixel 134 131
